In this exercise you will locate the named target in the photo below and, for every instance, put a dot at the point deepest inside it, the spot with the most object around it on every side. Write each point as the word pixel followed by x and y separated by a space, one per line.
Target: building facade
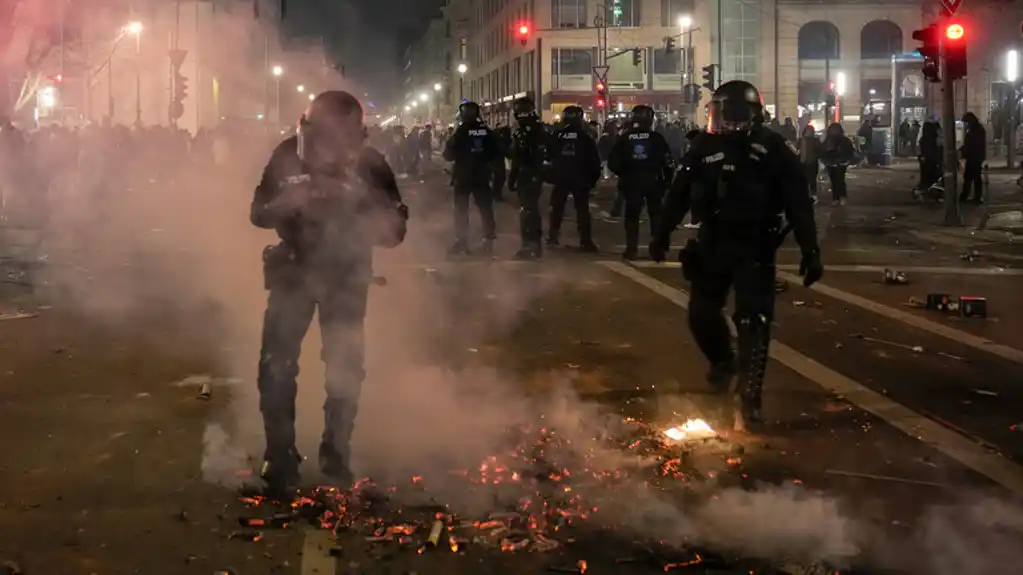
pixel 427 87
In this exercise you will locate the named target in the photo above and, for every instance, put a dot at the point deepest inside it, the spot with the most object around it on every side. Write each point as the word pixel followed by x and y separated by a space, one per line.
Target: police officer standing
pixel 575 170
pixel 738 179
pixel 331 200
pixel 500 175
pixel 473 148
pixel 641 158
pixel 529 145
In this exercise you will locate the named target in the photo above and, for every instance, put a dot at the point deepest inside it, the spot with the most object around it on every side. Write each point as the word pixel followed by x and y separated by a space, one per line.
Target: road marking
pixel 976 342
pixel 877 250
pixel 944 440
pixel 935 270
pixel 316 558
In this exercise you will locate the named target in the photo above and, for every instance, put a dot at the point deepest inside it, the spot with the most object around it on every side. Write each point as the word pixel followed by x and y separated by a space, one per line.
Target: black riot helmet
pixel 524 108
pixel 643 117
pixel 333 123
pixel 735 107
pixel 469 112
pixel 573 116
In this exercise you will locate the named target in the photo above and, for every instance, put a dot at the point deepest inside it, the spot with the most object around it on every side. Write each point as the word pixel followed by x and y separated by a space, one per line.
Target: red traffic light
pixel 600 87
pixel 600 102
pixel 58 78
pixel 955 32
pixel 523 30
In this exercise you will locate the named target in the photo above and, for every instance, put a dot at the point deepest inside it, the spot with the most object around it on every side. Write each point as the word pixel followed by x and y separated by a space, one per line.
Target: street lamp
pixel 300 88
pixel 840 84
pixel 424 97
pixel 277 72
pixel 684 22
pixel 1012 65
pixel 462 69
pixel 135 29
pixel 437 87
pixel 312 97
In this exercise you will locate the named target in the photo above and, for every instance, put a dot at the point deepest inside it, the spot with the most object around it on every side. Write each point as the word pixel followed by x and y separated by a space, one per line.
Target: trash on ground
pixel 985 392
pixel 895 277
pixel 17 315
pixel 914 348
pixel 205 391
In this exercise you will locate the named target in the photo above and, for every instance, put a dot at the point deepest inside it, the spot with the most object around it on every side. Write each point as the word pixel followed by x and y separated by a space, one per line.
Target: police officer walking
pixel 473 148
pixel 641 158
pixel 331 199
pixel 738 179
pixel 575 170
pixel 529 145
pixel 500 175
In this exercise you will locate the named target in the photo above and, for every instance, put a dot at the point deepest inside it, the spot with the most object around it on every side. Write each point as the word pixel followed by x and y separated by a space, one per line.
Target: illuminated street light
pixel 407 108
pixel 424 97
pixel 462 68
pixel 437 87
pixel 300 88
pixel 48 97
pixel 1012 66
pixel 312 97
pixel 277 71
pixel 133 28
pixel 684 22
pixel 414 103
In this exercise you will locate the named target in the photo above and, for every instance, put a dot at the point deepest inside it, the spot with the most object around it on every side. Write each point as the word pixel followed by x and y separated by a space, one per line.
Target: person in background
pixel 974 152
pixel 810 149
pixel 838 153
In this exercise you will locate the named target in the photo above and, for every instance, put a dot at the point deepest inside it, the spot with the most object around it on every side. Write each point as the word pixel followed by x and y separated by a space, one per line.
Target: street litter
pixel 913 348
pixel 985 392
pixel 973 256
pixel 205 391
pixel 895 277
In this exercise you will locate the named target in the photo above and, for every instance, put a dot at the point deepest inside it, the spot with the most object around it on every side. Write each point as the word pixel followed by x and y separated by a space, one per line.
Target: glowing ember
pixel 691 429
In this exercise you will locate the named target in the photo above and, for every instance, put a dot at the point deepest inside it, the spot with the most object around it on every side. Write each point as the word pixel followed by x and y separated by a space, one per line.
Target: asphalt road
pixel 894 439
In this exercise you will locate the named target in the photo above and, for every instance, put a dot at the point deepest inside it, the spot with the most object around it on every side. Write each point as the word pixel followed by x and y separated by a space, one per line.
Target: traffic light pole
pixel 948 125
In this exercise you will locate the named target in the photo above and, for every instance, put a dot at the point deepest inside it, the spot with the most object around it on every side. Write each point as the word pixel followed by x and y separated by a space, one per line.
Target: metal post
pixel 1010 138
pixel 948 127
pixel 277 113
pixel 138 78
pixel 689 74
pixel 461 88
pixel 539 75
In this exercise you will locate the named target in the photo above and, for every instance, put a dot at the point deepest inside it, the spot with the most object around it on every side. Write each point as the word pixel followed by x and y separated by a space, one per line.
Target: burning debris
pixel 547 494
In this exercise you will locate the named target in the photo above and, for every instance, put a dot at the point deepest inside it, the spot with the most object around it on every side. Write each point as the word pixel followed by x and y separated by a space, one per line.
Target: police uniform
pixel 504 141
pixel 330 211
pixel 575 170
pixel 473 148
pixel 738 180
pixel 641 158
pixel 528 149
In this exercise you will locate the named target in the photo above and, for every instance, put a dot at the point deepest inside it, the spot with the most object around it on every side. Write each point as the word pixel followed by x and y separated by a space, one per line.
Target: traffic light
pixel 929 49
pixel 637 57
pixel 955 50
pixel 180 87
pixel 709 77
pixel 601 95
pixel 669 44
pixel 523 33
pixel 691 94
pixel 58 78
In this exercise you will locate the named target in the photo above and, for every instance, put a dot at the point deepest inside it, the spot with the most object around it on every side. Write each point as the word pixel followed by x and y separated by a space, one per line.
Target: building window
pixel 740 26
pixel 818 41
pixel 672 10
pixel 571 62
pixel 623 71
pixel 668 63
pixel 623 13
pixel 880 39
pixel 568 13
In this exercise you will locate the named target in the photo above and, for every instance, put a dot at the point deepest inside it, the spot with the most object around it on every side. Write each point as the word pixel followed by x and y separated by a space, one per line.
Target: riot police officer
pixel 529 145
pixel 500 173
pixel 738 179
pixel 473 148
pixel 331 200
pixel 641 158
pixel 575 170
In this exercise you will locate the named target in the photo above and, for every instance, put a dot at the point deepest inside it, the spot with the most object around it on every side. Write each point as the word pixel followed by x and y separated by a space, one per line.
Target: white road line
pixel 316 558
pixel 934 270
pixel 944 440
pixel 871 250
pixel 976 342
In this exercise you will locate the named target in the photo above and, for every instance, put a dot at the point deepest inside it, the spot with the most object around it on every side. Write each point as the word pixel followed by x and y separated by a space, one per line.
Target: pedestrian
pixel 974 152
pixel 575 170
pixel 331 200
pixel 528 150
pixel 753 177
pixel 810 148
pixel 838 153
pixel 472 149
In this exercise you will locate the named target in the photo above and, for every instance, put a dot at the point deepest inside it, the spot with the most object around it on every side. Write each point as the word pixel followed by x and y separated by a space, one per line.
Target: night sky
pixel 367 36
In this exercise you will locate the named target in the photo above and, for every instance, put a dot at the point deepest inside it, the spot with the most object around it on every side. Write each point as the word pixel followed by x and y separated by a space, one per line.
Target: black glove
pixel 659 247
pixel 811 268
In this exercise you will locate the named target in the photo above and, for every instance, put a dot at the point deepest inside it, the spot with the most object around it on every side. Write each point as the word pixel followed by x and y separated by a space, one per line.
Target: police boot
pixel 631 239
pixel 334 466
pixel 753 340
pixel 529 252
pixel 720 376
pixel 587 246
pixel 460 247
pixel 280 474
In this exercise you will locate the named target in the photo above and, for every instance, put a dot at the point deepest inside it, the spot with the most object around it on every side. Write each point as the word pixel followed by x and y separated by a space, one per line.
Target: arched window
pixel 880 39
pixel 818 41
